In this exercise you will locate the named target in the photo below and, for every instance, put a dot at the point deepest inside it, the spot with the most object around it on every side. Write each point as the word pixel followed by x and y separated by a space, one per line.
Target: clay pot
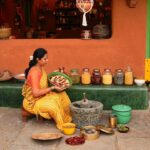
pixel 132 3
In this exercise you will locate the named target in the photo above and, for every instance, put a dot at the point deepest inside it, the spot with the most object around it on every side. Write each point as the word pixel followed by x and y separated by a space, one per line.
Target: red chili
pixel 75 140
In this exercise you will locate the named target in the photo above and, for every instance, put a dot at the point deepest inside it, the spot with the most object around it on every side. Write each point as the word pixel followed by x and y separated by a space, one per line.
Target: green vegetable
pixel 122 127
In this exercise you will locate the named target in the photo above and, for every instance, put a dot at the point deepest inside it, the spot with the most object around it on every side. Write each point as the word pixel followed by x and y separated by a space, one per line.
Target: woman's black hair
pixel 38 53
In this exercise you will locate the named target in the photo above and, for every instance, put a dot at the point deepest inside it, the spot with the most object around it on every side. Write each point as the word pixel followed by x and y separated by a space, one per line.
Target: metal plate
pixel 20 77
pixel 47 136
pixel 105 129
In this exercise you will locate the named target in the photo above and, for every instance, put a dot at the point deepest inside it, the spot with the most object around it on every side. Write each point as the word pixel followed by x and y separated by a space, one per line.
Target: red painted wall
pixel 126 47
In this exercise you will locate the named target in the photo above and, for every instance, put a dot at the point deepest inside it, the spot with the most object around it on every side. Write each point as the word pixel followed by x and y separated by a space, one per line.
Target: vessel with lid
pixel 96 76
pixel 75 76
pixel 107 77
pixel 86 76
pixel 86 34
pixel 128 76
pixel 119 77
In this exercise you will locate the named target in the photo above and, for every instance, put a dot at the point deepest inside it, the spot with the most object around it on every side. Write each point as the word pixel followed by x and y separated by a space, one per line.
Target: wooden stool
pixel 26 115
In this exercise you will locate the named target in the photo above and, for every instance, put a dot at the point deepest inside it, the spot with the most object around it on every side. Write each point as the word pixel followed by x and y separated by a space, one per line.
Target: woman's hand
pixel 58 88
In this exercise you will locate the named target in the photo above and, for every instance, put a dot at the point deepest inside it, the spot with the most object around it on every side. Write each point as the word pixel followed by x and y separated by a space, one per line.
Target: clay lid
pixel 86 69
pixel 74 70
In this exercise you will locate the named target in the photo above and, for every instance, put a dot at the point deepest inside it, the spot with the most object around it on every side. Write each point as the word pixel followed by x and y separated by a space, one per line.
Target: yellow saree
pixel 52 105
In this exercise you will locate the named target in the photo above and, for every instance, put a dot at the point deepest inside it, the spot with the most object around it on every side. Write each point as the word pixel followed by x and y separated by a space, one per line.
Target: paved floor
pixel 15 135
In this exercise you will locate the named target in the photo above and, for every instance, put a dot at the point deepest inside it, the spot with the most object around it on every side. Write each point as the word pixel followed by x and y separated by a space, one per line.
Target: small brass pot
pixel 113 121
pixel 89 132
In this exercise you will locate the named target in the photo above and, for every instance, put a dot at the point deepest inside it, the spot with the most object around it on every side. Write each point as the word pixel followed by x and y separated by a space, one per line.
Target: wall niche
pixel 55 19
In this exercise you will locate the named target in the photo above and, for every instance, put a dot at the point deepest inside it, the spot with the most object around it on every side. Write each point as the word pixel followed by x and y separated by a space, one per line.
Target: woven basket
pixel 101 31
pixel 5 33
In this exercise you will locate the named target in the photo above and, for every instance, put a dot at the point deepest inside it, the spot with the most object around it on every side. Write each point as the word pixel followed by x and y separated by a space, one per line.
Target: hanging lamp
pixel 84 6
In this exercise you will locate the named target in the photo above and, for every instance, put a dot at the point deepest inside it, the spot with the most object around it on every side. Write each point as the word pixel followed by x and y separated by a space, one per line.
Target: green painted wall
pixel 148 31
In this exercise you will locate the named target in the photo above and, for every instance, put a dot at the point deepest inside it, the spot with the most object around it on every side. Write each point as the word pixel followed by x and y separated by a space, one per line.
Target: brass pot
pixel 89 132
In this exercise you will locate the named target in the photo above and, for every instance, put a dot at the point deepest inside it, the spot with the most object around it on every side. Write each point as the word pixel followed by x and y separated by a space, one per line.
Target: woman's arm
pixel 35 76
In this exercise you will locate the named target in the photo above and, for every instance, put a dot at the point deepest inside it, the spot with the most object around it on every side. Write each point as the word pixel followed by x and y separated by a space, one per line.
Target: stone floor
pixel 16 135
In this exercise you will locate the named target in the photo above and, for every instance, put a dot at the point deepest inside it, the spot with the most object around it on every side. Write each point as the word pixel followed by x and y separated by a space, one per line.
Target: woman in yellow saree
pixel 40 99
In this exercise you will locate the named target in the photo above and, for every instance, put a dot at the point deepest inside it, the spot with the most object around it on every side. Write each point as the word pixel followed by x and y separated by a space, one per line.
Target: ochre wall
pixel 126 47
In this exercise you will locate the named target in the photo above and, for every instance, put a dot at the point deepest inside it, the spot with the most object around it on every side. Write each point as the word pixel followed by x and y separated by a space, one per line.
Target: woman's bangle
pixel 52 88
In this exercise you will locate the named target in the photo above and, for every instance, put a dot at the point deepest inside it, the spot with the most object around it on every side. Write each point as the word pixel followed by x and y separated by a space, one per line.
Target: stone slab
pixel 33 126
pixel 10 126
pixel 134 143
pixel 16 135
pixel 136 97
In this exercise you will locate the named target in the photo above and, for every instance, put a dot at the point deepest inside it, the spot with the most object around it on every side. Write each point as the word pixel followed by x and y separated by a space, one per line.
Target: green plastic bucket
pixel 123 113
